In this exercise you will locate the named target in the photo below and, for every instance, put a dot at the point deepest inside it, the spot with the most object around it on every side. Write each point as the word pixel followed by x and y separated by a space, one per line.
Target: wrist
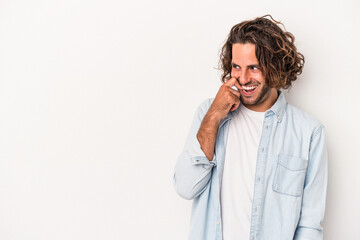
pixel 214 117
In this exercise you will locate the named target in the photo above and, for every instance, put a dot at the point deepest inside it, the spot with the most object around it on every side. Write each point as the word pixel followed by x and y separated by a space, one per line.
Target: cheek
pixel 258 76
pixel 234 74
pixel 261 77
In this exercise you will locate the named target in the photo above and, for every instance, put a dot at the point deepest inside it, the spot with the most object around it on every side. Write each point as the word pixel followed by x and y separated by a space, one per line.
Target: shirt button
pixel 258 179
pixel 278 117
pixel 267 127
pixel 262 150
pixel 217 223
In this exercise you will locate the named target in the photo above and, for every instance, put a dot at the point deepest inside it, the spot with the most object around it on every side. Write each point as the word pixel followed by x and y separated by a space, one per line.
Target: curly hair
pixel 279 60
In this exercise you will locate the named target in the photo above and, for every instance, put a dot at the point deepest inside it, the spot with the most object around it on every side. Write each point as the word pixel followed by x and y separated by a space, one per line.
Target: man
pixel 255 165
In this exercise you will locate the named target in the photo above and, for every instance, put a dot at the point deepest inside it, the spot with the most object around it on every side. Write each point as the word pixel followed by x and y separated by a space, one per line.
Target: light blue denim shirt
pixel 290 177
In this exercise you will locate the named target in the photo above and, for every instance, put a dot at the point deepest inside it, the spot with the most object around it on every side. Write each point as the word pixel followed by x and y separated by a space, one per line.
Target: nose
pixel 242 77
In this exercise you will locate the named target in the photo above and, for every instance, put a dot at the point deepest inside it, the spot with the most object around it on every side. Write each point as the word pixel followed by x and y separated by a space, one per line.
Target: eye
pixel 254 68
pixel 235 66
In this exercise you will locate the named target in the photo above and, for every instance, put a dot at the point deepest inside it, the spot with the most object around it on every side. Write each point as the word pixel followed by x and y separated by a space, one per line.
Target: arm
pixel 194 165
pixel 193 169
pixel 208 132
pixel 314 195
pixel 227 99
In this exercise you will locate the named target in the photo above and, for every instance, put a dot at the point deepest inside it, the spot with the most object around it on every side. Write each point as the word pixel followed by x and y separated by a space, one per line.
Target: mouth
pixel 248 90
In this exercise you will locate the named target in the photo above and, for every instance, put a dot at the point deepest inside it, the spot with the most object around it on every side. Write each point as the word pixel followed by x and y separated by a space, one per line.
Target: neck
pixel 270 99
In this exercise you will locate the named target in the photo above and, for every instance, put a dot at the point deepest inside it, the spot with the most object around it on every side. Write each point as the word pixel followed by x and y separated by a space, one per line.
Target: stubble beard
pixel 263 95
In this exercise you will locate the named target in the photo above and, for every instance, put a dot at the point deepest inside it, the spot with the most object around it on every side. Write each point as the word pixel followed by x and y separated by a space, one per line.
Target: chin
pixel 249 101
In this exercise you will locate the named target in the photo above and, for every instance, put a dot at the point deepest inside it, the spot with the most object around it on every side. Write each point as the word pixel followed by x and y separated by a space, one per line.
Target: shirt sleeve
pixel 314 195
pixel 193 169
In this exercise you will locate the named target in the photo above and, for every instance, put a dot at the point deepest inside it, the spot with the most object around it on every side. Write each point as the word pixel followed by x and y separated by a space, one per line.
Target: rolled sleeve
pixel 193 169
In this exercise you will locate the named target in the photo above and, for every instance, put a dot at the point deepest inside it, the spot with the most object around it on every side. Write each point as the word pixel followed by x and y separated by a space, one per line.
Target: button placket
pixel 261 164
pixel 258 179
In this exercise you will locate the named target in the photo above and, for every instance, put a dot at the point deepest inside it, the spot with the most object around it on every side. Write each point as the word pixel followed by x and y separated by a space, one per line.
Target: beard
pixel 255 100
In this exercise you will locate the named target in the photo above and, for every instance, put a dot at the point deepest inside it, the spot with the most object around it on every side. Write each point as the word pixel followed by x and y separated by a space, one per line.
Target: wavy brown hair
pixel 279 60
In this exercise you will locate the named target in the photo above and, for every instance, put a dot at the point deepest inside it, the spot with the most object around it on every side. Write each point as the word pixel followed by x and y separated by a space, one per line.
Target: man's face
pixel 255 93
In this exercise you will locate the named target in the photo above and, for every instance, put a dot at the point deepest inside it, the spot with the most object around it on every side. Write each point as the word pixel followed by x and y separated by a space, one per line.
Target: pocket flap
pixel 292 163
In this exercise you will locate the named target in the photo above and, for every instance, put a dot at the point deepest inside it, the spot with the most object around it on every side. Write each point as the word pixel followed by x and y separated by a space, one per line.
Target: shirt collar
pixel 278 109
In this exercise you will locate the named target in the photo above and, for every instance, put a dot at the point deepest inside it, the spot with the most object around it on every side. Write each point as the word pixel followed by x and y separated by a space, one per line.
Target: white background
pixel 97 97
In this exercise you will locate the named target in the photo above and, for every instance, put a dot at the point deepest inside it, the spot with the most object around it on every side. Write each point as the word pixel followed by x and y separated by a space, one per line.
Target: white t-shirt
pixel 239 173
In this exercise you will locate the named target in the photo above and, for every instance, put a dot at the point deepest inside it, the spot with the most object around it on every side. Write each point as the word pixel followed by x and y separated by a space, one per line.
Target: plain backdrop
pixel 97 97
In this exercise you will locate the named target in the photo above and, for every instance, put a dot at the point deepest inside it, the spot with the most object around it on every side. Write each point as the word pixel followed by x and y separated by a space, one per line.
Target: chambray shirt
pixel 290 177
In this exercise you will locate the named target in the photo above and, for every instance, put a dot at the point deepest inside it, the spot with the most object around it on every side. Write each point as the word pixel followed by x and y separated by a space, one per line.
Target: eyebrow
pixel 251 65
pixel 254 65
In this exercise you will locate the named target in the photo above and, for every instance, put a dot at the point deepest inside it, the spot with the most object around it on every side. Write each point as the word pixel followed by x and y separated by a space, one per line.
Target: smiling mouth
pixel 248 90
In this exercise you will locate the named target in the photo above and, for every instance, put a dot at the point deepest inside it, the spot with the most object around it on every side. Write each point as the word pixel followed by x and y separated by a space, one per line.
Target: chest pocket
pixel 290 175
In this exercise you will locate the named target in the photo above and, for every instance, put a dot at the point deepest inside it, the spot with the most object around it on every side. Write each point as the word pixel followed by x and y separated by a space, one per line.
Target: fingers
pixel 227 99
pixel 236 100
pixel 235 92
pixel 230 82
pixel 233 82
pixel 235 106
pixel 237 84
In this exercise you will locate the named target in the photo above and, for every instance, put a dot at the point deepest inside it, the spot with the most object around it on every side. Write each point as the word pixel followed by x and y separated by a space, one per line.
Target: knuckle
pixel 230 98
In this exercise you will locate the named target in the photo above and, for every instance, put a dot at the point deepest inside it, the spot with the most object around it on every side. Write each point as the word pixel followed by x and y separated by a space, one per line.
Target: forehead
pixel 244 53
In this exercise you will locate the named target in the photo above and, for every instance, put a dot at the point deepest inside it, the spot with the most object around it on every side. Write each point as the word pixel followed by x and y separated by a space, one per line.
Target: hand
pixel 227 99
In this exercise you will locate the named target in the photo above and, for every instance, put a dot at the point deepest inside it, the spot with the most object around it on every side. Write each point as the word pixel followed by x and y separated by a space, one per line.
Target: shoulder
pixel 204 106
pixel 302 118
